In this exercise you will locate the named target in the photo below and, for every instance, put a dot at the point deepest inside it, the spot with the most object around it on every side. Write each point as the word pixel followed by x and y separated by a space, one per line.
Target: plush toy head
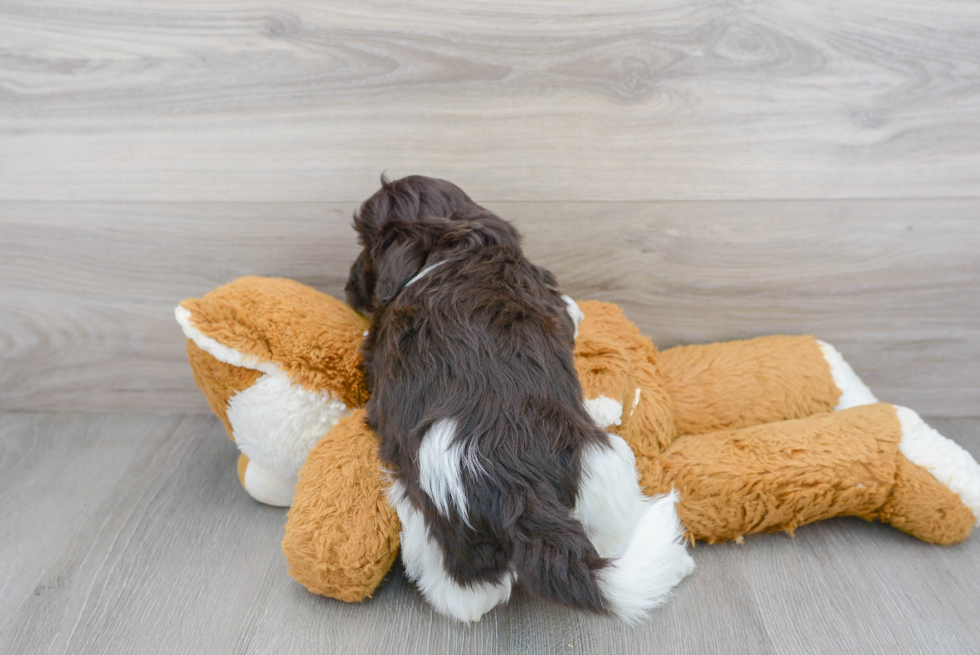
pixel 279 364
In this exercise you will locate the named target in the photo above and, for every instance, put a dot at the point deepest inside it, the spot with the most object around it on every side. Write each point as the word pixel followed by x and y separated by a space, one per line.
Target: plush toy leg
pixel 342 534
pixel 923 507
pixel 737 384
pixel 783 475
pixel 264 485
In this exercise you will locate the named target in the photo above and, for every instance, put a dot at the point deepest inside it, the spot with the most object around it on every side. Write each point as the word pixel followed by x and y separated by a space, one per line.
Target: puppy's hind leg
pixel 609 502
pixel 556 559
pixel 425 564
pixel 642 536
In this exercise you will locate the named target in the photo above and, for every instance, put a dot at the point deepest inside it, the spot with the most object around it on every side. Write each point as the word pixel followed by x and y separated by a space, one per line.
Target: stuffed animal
pixel 758 435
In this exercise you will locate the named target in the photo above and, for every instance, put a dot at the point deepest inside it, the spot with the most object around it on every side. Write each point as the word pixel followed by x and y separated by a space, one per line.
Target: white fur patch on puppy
pixel 604 411
pixel 644 537
pixel 609 501
pixel 276 422
pixel 268 487
pixel 853 391
pixel 654 562
pixel 423 561
pixel 441 463
pixel 945 459
pixel 574 311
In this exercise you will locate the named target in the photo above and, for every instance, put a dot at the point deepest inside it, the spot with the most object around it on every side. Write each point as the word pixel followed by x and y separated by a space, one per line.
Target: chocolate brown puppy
pixel 499 472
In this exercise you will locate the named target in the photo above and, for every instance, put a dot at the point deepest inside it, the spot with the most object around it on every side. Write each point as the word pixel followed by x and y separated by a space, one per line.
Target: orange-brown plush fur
pixel 783 475
pixel 219 381
pixel 921 506
pixel 723 386
pixel 613 360
pixel 742 430
pixel 242 467
pixel 758 450
pixel 313 338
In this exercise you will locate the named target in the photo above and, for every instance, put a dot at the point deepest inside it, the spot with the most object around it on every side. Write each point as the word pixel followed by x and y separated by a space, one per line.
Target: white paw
pixel 268 487
pixel 853 391
pixel 945 459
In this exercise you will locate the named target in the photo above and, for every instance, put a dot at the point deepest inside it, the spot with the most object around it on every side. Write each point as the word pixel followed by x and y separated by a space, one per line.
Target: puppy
pixel 499 472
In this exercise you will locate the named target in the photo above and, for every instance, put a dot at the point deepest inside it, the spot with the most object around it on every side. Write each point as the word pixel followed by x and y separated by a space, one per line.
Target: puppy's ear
pixel 410 199
pixel 400 262
pixel 373 213
pixel 360 285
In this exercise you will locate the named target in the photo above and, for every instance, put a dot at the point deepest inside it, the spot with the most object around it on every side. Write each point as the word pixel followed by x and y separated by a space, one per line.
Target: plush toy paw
pixel 853 392
pixel 938 483
pixel 925 508
pixel 264 485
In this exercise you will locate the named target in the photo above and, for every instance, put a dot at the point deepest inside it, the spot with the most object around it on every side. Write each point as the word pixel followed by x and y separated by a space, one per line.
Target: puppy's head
pixel 404 224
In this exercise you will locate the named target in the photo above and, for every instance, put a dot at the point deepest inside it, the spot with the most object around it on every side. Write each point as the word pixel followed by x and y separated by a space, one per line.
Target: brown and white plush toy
pixel 757 436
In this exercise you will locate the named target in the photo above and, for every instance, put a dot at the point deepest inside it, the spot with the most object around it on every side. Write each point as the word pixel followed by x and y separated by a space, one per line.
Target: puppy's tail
pixel 555 559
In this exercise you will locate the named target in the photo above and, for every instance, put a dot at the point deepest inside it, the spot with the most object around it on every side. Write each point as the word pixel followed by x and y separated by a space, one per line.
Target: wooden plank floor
pixel 130 534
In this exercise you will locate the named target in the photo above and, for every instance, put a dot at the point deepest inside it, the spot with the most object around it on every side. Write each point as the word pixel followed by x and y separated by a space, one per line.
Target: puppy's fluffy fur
pixel 500 473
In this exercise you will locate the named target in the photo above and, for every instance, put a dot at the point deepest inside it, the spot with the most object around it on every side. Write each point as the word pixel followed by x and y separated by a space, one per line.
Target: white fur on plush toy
pixel 268 487
pixel 606 412
pixel 275 422
pixel 946 460
pixel 854 392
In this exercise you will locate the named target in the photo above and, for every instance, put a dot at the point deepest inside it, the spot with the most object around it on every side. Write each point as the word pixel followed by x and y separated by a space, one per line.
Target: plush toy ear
pixel 275 326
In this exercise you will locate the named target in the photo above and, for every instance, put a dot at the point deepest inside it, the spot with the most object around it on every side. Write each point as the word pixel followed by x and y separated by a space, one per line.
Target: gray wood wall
pixel 719 169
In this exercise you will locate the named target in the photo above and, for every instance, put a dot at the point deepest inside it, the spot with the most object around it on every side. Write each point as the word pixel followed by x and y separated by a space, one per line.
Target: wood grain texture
pixel 855 579
pixel 38 474
pixel 86 320
pixel 621 100
pixel 160 563
pixel 128 534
